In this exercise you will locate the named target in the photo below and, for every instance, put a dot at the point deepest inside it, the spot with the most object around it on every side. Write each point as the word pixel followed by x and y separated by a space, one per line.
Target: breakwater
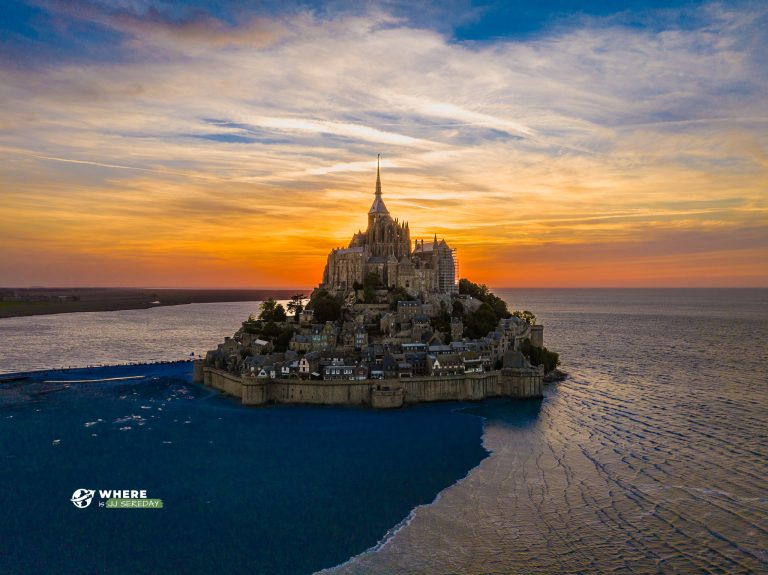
pixel 382 393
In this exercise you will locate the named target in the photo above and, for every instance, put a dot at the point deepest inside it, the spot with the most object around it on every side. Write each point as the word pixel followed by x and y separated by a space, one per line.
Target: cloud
pixel 257 138
pixel 146 24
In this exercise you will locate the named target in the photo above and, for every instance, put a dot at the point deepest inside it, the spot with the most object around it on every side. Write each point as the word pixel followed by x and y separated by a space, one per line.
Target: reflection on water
pixel 115 337
pixel 652 457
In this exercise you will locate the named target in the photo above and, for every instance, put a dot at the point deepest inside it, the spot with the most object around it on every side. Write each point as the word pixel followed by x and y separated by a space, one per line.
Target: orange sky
pixel 602 156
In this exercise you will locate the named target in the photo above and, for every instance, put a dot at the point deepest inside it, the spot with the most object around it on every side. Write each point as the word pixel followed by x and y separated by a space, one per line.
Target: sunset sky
pixel 218 144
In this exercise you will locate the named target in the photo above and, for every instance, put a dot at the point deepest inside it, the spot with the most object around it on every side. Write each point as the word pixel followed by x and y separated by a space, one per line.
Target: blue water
pixel 273 490
pixel 652 457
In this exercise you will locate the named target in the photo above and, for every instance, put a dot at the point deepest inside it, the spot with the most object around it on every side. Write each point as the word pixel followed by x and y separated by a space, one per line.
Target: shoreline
pixel 50 301
pixel 22 376
pixel 388 537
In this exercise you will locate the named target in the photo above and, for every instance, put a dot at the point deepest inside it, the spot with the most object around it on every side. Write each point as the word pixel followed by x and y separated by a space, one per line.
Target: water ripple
pixel 651 458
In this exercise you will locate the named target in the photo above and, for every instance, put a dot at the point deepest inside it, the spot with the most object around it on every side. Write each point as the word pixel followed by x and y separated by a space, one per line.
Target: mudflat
pixel 38 301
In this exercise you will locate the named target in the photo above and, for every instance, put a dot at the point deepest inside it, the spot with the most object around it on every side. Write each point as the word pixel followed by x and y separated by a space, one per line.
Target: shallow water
pixel 116 337
pixel 284 489
pixel 652 457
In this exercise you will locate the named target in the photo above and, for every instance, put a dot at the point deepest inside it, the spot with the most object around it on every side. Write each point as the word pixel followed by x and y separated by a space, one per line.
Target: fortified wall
pixel 518 383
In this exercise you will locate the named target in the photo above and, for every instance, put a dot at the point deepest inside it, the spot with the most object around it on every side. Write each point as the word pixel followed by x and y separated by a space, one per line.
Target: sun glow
pixel 603 156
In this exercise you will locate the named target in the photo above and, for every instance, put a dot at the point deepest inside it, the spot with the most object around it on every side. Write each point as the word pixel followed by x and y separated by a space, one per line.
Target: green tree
pixel 477 291
pixel 326 309
pixel 482 293
pixel 283 339
pixel 370 284
pixel 296 305
pixel 398 294
pixel 540 356
pixel 270 331
pixel 280 314
pixel 272 311
pixel 480 322
pixel 268 309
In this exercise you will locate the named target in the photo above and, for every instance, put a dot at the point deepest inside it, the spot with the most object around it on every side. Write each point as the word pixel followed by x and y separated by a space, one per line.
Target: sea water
pixel 283 489
pixel 651 457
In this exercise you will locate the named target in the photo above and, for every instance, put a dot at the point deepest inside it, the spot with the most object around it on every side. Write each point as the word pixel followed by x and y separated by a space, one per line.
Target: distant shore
pixel 42 301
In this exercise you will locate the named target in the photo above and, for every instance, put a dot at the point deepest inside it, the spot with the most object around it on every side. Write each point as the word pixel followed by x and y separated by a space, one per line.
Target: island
pixel 389 324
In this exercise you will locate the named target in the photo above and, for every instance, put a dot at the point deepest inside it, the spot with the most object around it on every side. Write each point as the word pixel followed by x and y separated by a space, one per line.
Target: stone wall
pixel 320 392
pixel 469 387
pixel 515 383
pixel 522 383
pixel 385 398
pixel 223 381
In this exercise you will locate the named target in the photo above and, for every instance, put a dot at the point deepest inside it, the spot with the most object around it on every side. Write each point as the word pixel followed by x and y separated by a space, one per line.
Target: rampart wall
pixel 387 393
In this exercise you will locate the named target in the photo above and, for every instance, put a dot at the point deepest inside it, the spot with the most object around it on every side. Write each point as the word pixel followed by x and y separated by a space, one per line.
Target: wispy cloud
pixel 252 142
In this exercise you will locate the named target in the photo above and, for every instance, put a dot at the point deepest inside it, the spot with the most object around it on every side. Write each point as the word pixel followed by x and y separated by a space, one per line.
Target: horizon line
pixel 209 288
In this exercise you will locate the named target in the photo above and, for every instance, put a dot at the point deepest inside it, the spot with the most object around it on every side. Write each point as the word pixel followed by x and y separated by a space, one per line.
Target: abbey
pixel 385 249
pixel 388 325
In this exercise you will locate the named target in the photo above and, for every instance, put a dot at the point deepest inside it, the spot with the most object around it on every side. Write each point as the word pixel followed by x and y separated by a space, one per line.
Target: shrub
pixel 326 309
pixel 540 356
pixel 482 293
pixel 480 322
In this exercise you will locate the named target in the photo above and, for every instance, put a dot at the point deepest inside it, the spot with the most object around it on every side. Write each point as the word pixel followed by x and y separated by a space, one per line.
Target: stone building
pixel 384 248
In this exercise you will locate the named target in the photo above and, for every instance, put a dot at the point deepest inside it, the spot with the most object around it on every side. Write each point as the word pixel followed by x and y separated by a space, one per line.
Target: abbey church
pixel 385 248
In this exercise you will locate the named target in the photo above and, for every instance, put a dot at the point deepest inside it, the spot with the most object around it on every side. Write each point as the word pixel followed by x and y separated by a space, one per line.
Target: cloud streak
pixel 252 144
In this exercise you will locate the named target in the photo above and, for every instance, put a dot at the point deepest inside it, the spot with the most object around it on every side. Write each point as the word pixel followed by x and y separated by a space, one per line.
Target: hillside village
pixel 385 311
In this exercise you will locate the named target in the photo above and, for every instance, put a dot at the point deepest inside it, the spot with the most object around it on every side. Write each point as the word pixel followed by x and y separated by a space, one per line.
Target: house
pixel 418 361
pixel 339 371
pixel 307 315
pixel 308 363
pixel 266 372
pixel 414 347
pixel 377 370
pixel 390 366
pixel 300 343
pixel 253 364
pixel 406 310
pixel 361 337
pixel 448 364
pixel 404 369
pixel 361 371
pixel 473 363
pixel 440 350
pixel 290 370
pixel 260 346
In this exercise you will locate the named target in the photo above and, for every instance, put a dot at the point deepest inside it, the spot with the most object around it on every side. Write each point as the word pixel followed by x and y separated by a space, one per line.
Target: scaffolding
pixel 449 270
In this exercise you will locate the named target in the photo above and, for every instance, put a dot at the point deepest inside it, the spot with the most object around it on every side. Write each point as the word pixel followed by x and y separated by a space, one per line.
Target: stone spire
pixel 378 206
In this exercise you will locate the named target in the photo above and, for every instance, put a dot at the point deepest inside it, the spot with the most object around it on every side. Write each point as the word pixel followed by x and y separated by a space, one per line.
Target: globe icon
pixel 82 497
